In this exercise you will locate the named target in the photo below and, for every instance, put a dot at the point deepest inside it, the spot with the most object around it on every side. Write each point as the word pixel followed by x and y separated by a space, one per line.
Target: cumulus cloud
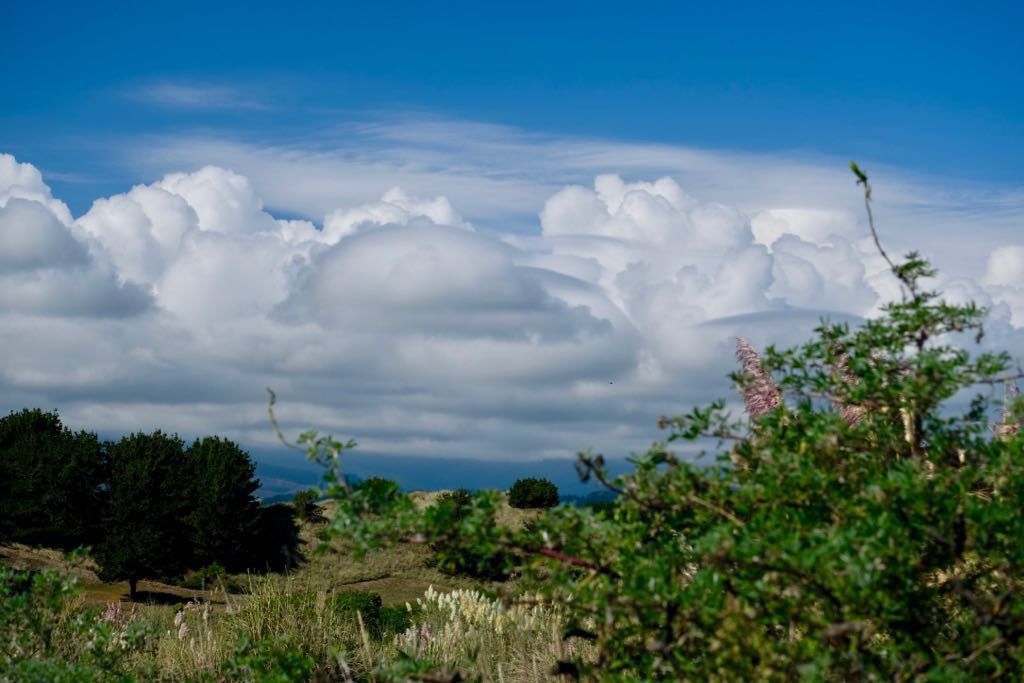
pixel 24 181
pixel 397 321
pixel 1005 279
pixel 46 267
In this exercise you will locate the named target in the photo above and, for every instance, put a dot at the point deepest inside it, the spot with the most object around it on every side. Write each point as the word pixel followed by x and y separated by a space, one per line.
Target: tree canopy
pixel 221 484
pixel 149 507
pixel 147 530
pixel 51 481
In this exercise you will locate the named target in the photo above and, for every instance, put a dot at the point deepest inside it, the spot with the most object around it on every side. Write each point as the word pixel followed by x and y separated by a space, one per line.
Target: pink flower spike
pixel 760 393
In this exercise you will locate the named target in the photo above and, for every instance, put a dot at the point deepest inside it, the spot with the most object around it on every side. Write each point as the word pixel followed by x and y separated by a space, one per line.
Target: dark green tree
pixel 51 481
pixel 221 483
pixel 306 508
pixel 277 545
pixel 147 533
pixel 533 493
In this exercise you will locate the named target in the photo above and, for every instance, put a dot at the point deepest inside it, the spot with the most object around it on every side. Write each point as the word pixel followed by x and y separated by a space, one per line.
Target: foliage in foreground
pixel 863 524
pixel 278 632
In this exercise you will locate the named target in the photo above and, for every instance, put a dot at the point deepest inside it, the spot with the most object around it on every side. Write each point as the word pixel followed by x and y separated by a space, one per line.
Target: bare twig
pixel 277 426
pixel 862 179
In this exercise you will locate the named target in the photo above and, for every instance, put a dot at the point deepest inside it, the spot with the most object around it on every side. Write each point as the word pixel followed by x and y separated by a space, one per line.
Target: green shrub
pixel 457 503
pixel 368 605
pixel 305 506
pixel 212 577
pixel 460 512
pixel 46 635
pixel 379 621
pixel 271 660
pixel 395 620
pixel 862 523
pixel 533 493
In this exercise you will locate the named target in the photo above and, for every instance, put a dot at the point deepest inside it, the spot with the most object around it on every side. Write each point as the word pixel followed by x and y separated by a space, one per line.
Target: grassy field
pixel 399 574
pixel 194 634
pixel 97 592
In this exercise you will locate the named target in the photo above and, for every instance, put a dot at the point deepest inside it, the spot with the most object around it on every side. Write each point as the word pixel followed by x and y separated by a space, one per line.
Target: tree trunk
pixel 133 584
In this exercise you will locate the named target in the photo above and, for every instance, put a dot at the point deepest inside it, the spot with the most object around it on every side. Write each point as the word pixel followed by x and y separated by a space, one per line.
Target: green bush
pixel 271 660
pixel 458 501
pixel 305 506
pixel 461 513
pixel 212 577
pixel 533 493
pixel 861 523
pixel 395 620
pixel 378 620
pixel 47 636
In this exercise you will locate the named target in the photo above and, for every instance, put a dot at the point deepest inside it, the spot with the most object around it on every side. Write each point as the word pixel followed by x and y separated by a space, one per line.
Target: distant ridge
pixel 282 473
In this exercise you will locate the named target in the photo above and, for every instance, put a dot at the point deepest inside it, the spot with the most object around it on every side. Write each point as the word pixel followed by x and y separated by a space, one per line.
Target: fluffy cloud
pixel 398 322
pixel 1005 279
pixel 24 181
pixel 46 267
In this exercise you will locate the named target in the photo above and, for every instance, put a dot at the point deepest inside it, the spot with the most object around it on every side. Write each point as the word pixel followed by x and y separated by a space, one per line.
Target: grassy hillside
pixel 399 574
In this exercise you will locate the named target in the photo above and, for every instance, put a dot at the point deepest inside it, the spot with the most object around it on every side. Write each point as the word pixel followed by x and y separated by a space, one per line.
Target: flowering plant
pixel 861 524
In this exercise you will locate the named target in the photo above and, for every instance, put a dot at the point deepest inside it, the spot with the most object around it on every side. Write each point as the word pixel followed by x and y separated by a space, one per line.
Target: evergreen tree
pixel 51 481
pixel 147 532
pixel 223 508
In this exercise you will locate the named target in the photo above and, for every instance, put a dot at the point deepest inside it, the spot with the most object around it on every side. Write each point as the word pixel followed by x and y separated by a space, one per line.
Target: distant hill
pixel 283 473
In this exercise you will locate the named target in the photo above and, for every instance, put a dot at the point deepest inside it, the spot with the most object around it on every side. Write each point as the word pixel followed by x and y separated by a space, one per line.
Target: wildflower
pixel 760 393
pixel 118 616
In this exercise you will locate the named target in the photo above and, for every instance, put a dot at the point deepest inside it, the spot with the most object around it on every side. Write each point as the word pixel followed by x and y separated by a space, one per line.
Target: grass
pixel 399 574
pixel 96 592
pixel 182 634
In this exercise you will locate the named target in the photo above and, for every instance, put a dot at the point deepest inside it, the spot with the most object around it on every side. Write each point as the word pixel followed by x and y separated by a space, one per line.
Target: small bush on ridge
pixel 306 508
pixel 533 493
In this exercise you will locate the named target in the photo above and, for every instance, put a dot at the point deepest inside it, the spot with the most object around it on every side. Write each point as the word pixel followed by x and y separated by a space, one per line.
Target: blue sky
pixel 479 230
pixel 926 86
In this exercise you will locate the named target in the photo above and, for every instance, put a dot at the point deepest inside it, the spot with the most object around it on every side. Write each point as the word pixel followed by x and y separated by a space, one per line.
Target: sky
pixel 479 230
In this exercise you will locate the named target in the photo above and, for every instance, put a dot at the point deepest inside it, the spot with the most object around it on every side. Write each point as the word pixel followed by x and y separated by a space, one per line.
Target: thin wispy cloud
pixel 197 96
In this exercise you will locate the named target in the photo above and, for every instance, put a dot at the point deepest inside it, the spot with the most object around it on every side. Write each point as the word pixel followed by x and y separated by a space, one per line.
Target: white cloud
pixel 33 237
pixel 500 177
pixel 24 181
pixel 394 208
pixel 45 266
pixel 1005 279
pixel 396 320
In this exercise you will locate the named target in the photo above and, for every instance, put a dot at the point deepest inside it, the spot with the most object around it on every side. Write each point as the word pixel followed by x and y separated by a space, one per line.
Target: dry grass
pixel 464 630
pixel 507 516
pixel 195 632
pixel 84 568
